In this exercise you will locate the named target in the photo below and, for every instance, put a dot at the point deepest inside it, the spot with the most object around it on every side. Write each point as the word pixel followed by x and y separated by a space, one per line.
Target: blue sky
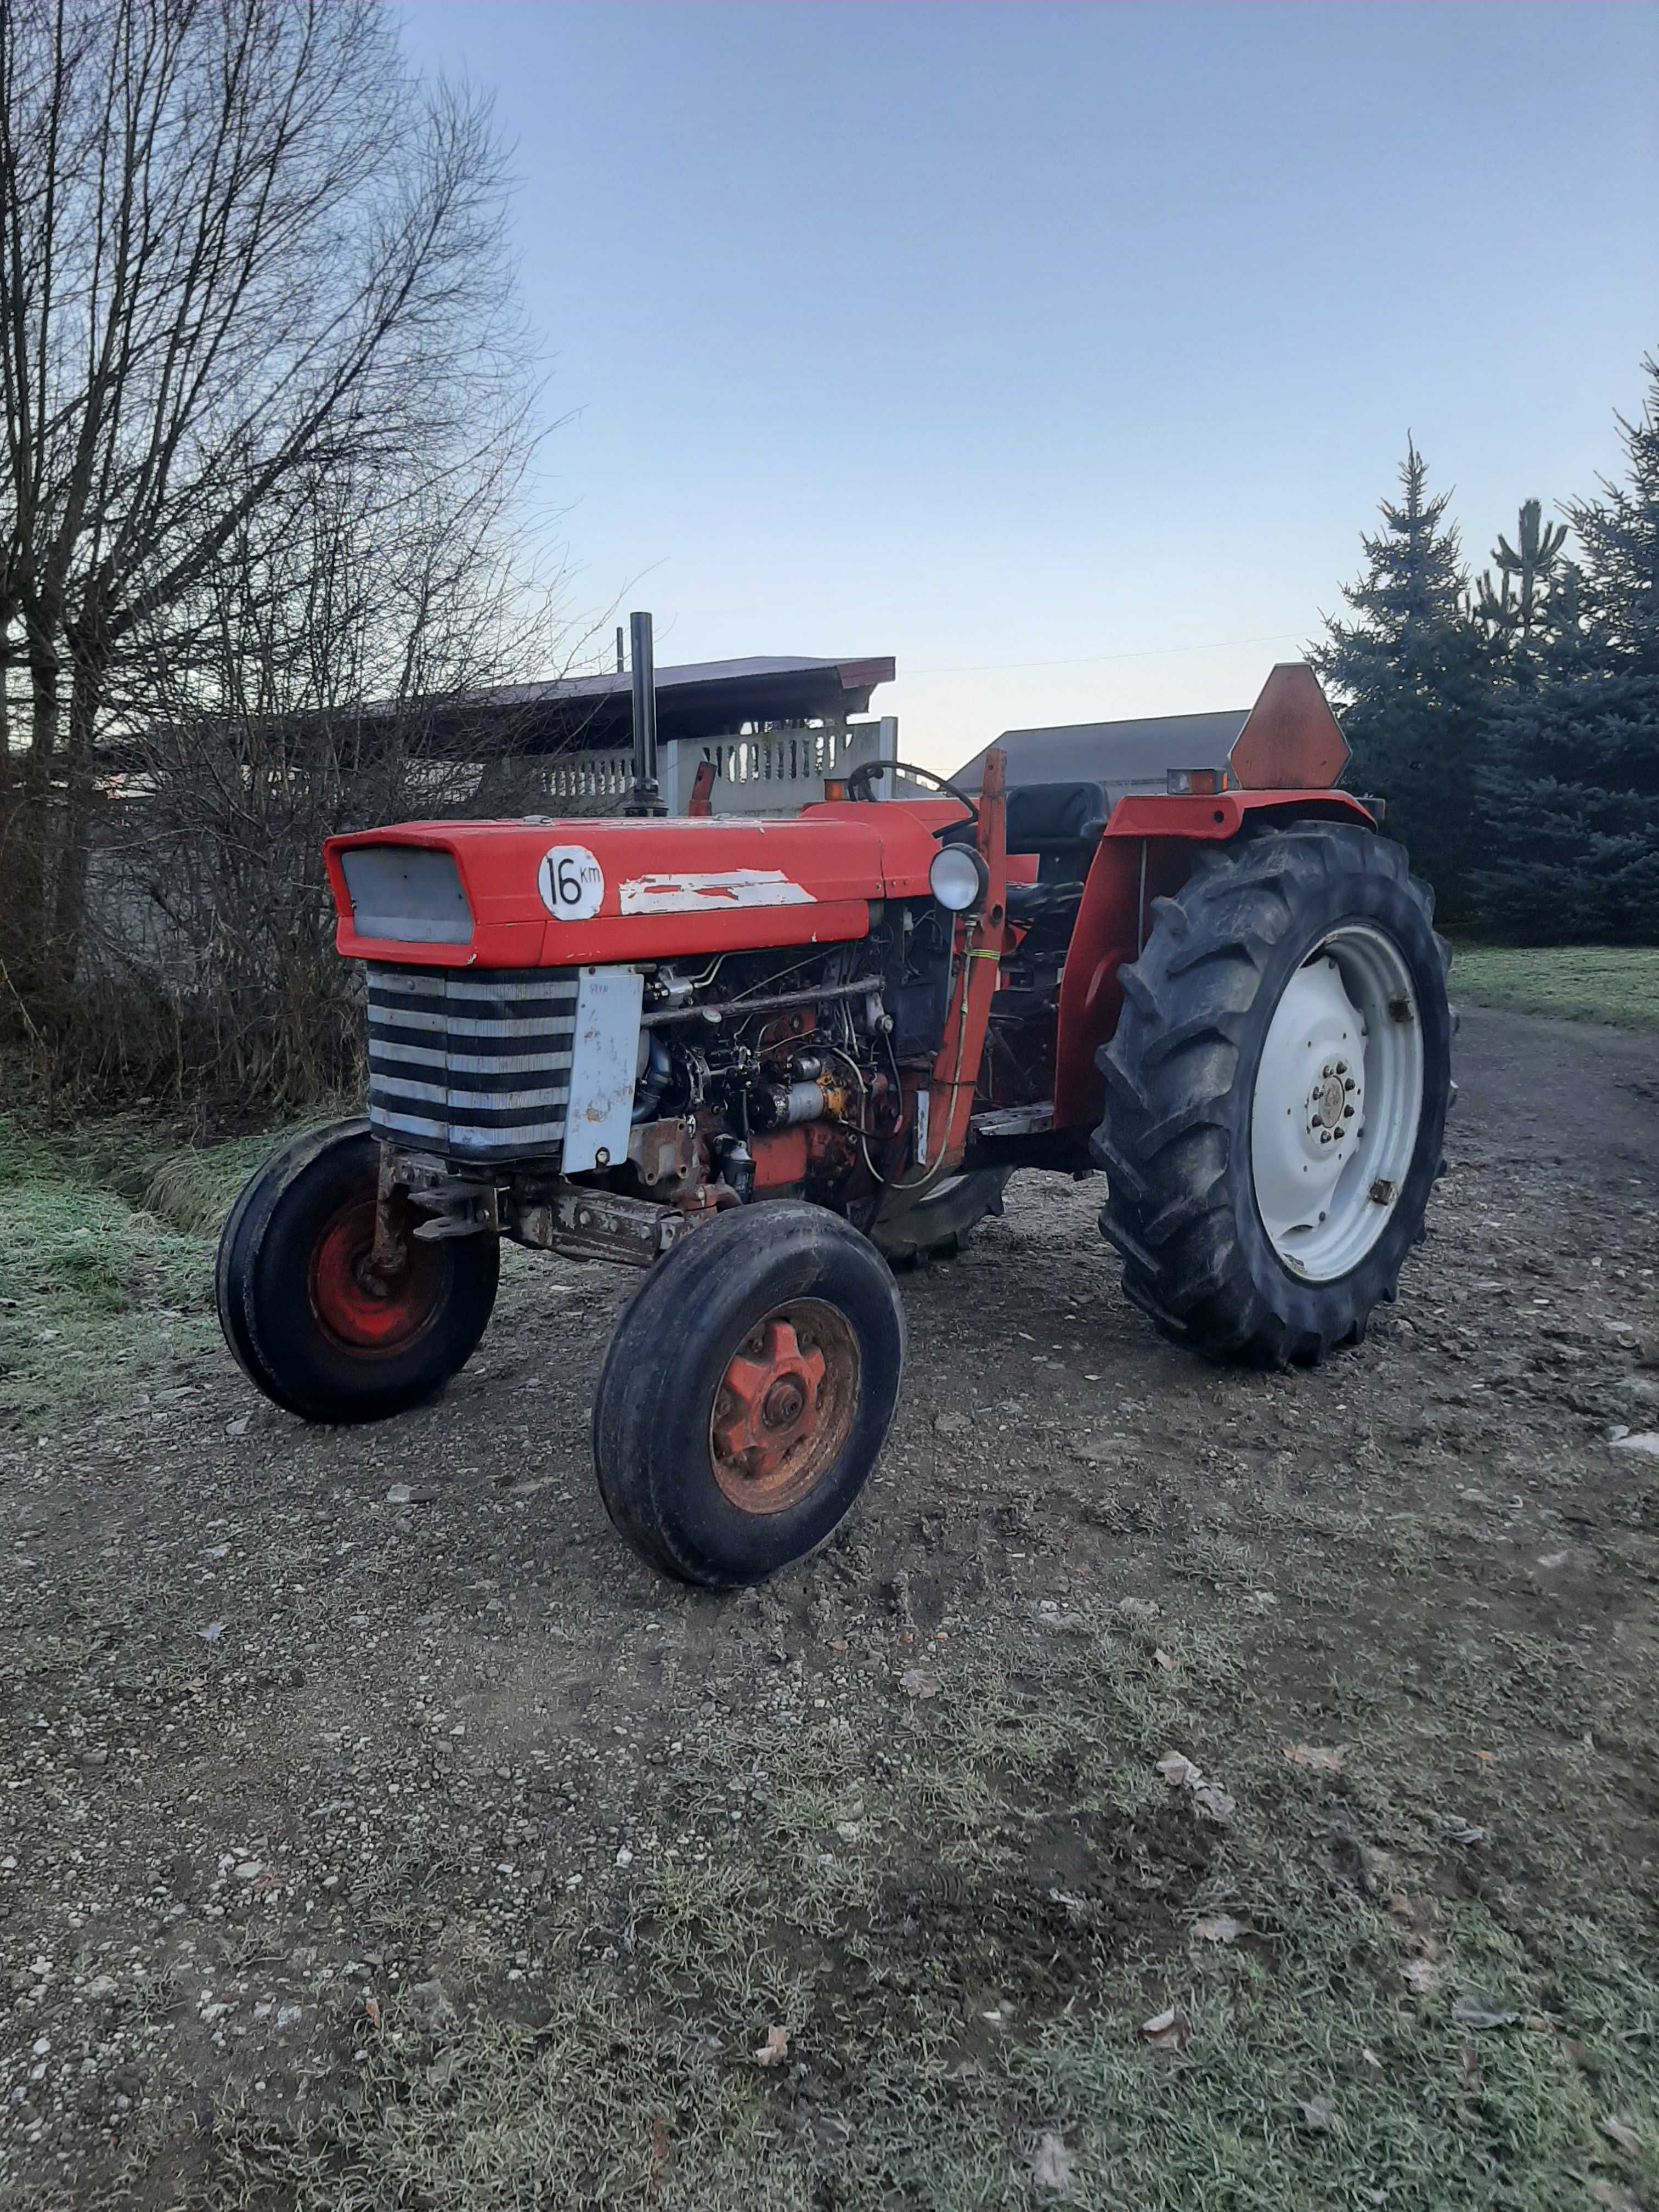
pixel 1062 351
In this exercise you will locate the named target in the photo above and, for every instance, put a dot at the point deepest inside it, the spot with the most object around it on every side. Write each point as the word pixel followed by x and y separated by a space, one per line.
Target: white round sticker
pixel 571 883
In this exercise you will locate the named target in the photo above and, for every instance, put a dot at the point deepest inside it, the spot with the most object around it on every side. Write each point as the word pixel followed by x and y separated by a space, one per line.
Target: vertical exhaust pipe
pixel 646 798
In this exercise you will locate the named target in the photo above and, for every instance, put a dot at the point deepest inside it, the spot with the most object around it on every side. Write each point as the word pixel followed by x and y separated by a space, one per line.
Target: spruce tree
pixel 1515 612
pixel 1412 676
pixel 1571 791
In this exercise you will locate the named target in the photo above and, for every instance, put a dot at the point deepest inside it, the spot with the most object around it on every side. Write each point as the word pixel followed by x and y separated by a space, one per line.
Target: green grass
pixel 1313 2073
pixel 106 1260
pixel 1584 982
pixel 1312 2076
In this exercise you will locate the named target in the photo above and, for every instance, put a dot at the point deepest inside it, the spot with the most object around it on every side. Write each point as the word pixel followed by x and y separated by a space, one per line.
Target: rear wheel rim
pixel 1337 1104
pixel 784 1406
pixel 358 1310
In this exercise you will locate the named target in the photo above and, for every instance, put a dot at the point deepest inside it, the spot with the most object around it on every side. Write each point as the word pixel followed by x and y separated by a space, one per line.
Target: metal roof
pixel 1120 754
pixel 700 699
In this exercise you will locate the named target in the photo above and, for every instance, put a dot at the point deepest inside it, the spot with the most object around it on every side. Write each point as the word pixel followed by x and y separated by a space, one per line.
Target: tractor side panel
pixel 1146 854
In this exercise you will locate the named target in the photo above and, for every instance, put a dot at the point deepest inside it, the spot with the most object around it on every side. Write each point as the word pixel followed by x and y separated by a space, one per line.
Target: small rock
pixel 1218 1928
pixel 1053 2165
pixel 1647 1440
pixel 250 1869
pixel 1473 2012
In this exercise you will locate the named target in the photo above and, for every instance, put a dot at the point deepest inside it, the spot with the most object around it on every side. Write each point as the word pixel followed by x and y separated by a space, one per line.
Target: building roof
pixel 1120 754
pixel 700 699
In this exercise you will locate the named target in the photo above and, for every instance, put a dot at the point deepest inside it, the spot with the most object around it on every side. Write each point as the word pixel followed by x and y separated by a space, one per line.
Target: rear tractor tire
pixel 747 1393
pixel 309 1325
pixel 909 1232
pixel 1276 1094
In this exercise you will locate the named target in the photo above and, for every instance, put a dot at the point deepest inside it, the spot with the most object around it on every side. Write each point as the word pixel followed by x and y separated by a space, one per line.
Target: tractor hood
pixel 608 888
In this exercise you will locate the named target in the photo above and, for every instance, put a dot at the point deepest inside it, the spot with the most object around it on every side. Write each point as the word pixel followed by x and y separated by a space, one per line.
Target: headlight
pixel 958 879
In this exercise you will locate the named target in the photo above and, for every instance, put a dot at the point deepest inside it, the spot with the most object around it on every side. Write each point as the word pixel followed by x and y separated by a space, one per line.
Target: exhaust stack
pixel 646 798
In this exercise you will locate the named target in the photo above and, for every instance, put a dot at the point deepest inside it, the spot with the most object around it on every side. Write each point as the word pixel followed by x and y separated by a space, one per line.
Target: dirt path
pixel 378 1831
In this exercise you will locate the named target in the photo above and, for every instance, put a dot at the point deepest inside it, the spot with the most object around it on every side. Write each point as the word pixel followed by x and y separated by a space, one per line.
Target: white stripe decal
pixel 699 894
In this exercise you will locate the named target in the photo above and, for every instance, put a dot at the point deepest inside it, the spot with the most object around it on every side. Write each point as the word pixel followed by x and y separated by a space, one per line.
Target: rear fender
pixel 1147 853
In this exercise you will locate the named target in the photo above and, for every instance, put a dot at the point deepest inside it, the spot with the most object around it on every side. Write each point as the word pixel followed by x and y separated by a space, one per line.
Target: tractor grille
pixel 473 1064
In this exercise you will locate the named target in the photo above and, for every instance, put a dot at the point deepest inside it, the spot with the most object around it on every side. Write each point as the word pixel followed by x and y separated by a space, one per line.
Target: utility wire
pixel 1099 660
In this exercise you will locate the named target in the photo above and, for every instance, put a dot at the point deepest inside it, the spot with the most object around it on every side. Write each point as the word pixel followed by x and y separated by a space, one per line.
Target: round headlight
pixel 958 877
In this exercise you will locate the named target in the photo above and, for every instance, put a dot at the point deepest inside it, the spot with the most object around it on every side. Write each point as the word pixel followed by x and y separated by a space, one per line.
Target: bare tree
pixel 324 672
pixel 247 267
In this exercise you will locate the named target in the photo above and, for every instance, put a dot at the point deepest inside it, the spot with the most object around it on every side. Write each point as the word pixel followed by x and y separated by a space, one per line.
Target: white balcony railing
pixel 772 771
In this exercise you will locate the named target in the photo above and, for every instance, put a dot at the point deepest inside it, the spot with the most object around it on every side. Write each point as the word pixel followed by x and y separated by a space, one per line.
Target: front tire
pixel 1276 1094
pixel 747 1393
pixel 306 1326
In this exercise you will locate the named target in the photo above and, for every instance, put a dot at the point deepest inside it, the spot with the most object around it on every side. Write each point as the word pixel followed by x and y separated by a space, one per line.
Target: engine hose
pixel 930 1175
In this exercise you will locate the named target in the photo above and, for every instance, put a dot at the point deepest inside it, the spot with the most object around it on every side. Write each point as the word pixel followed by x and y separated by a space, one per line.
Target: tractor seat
pixel 1061 823
pixel 1064 820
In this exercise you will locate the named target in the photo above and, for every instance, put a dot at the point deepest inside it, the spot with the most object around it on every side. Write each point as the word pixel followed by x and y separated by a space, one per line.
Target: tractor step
pixel 1015 1120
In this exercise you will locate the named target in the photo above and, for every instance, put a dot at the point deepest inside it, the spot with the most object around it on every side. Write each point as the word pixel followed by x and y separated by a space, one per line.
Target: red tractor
pixel 761 1059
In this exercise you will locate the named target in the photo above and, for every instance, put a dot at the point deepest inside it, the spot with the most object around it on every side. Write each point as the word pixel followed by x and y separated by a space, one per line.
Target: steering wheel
pixel 859 783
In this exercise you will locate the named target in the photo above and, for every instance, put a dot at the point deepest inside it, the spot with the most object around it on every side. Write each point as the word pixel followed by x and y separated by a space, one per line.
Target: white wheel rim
pixel 1337 1098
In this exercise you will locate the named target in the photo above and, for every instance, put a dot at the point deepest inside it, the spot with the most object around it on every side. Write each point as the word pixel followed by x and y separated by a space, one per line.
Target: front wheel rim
pixel 1337 1104
pixel 784 1406
pixel 359 1313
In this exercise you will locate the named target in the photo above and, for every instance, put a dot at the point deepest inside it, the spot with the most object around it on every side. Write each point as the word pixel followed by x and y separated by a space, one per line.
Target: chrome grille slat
pixel 478 1065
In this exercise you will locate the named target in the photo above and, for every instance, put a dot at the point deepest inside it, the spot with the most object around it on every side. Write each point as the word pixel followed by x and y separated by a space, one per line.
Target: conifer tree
pixel 1571 791
pixel 1412 676
pixel 1515 610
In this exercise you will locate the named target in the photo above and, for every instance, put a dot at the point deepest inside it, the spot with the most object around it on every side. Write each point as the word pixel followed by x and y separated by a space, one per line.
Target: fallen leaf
pixel 1554 1559
pixel 1218 1928
pixel 1470 2012
pixel 1053 2165
pixel 238 1427
pixel 1321 1757
pixel 1166 2030
pixel 1215 1802
pixel 916 1682
pixel 776 2049
pixel 1621 2132
pixel 1422 1976
pixel 1320 2114
pixel 1163 1659
pixel 212 1632
pixel 373 2010
pixel 1647 1441
pixel 1179 1771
